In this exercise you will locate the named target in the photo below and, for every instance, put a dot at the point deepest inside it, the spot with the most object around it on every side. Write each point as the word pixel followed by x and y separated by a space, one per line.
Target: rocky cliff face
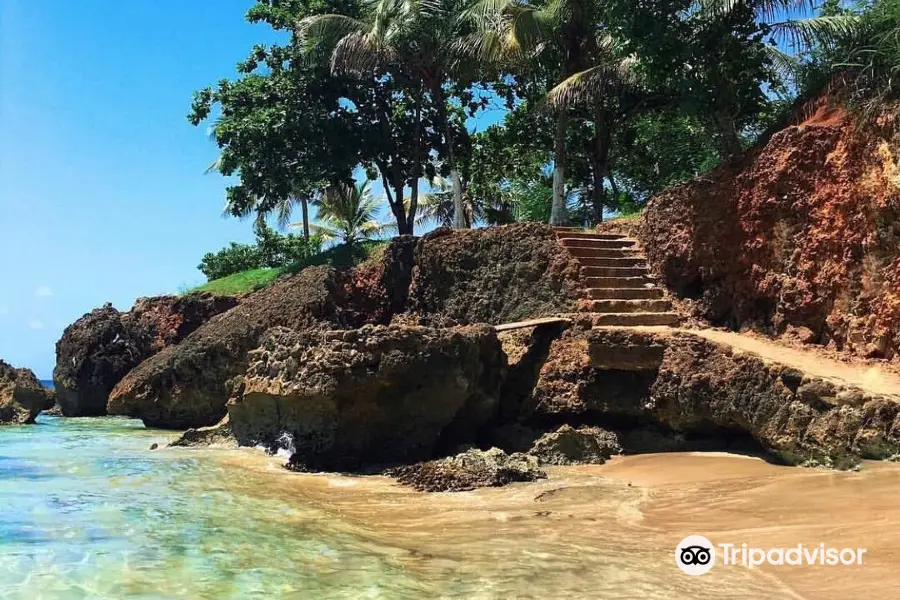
pixel 348 400
pixel 495 275
pixel 96 351
pixel 484 276
pixel 22 396
pixel 801 236
pixel 696 389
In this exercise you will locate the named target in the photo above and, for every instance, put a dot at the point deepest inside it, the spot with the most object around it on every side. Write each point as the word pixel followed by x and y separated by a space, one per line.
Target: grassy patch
pixel 254 279
pixel 239 283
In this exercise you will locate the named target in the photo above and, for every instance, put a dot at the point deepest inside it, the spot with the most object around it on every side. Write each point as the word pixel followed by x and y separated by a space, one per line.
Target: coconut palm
pixel 516 33
pixel 347 213
pixel 439 206
pixel 600 87
pixel 415 37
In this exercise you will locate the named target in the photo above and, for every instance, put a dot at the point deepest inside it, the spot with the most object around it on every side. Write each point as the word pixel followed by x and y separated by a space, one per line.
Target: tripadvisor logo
pixel 696 555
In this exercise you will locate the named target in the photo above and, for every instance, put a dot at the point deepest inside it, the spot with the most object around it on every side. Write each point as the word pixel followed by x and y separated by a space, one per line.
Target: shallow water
pixel 88 511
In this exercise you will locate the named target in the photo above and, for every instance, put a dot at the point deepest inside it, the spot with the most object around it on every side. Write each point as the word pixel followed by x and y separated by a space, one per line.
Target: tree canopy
pixel 606 101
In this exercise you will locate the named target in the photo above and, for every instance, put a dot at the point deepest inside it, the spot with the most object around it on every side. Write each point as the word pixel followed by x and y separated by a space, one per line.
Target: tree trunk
pixel 558 213
pixel 459 216
pixel 304 206
pixel 459 211
pixel 600 158
pixel 416 167
pixel 729 141
pixel 396 206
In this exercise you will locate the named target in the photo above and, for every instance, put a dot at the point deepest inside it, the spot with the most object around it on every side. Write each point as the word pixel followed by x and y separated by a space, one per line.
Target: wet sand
pixel 610 531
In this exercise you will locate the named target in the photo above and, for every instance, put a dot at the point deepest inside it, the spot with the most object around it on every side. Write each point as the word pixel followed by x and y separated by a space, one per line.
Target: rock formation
pixel 495 275
pixel 574 446
pixel 22 396
pixel 348 400
pixel 703 389
pixel 801 236
pixel 484 276
pixel 101 347
pixel 469 470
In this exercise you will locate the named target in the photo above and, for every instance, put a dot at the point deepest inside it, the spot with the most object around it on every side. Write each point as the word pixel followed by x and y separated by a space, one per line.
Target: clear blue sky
pixel 102 191
pixel 103 196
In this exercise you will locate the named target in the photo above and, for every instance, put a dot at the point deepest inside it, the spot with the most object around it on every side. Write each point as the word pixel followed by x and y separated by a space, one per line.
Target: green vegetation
pixel 239 283
pixel 271 251
pixel 606 102
pixel 255 279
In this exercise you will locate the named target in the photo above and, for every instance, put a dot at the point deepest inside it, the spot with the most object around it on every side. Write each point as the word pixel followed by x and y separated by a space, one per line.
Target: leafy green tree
pixel 347 213
pixel 412 42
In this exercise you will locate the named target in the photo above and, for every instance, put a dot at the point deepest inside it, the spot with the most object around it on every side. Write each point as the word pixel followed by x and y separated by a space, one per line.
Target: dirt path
pixel 872 379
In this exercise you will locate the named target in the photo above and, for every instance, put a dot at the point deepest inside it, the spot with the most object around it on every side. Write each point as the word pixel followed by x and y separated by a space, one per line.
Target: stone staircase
pixel 620 290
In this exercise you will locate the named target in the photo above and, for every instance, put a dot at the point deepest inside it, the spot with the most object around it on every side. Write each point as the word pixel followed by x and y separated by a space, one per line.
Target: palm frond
pixel 786 65
pixel 804 33
pixel 591 84
pixel 325 30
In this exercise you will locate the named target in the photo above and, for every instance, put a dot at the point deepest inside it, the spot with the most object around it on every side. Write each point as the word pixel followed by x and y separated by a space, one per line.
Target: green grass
pixel 255 279
pixel 239 283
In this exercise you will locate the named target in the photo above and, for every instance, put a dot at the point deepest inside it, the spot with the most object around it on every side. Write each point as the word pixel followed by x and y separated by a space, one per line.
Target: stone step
pixel 627 306
pixel 619 293
pixel 614 271
pixel 619 261
pixel 624 252
pixel 585 235
pixel 619 282
pixel 634 319
pixel 591 243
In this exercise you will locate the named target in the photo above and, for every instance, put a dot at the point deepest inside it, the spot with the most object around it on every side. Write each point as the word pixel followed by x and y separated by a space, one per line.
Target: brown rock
pixel 470 470
pixel 792 235
pixel 22 397
pixel 348 400
pixel 570 446
pixel 96 351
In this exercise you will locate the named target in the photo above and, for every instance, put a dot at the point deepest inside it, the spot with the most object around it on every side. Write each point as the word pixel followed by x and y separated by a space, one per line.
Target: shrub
pixel 271 250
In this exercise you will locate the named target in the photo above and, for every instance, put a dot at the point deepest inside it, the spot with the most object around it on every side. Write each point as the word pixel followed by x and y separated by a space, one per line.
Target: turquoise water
pixel 88 511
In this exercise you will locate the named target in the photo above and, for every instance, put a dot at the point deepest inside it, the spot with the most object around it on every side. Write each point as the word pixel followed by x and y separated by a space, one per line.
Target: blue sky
pixel 102 191
pixel 103 196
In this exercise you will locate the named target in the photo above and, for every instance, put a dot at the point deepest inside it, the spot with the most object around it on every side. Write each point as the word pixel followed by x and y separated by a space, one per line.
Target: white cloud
pixel 43 292
pixel 35 324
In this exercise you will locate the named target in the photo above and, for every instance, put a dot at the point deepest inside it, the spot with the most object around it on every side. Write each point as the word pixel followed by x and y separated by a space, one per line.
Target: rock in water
pixel 570 446
pixel 22 396
pixel 470 470
pixel 101 347
pixel 350 400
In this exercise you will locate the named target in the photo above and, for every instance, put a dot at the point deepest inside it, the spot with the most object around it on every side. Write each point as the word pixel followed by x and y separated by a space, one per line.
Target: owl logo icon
pixel 695 555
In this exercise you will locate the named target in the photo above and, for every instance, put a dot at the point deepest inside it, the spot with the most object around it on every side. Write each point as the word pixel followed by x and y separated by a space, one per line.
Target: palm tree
pixel 415 37
pixel 601 87
pixel 347 213
pixel 439 206
pixel 517 33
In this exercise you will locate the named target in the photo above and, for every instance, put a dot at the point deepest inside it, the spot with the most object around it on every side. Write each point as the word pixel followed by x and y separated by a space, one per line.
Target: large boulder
pixel 96 351
pixel 801 234
pixel 22 396
pixel 349 400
